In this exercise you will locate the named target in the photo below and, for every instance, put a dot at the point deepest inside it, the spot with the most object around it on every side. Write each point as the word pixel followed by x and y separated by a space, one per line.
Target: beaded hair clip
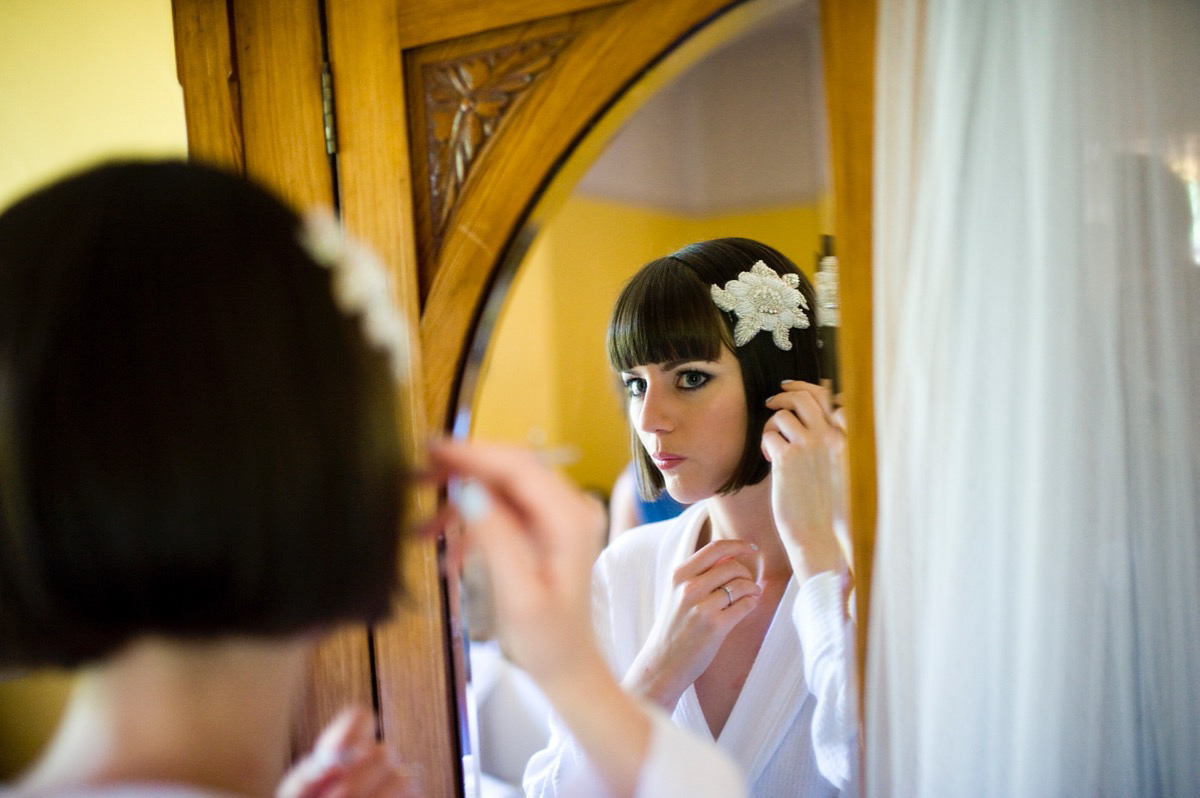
pixel 763 300
pixel 361 287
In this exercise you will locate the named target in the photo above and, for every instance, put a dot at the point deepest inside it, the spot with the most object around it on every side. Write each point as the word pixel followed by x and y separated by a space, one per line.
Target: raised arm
pixel 536 534
pixel 804 441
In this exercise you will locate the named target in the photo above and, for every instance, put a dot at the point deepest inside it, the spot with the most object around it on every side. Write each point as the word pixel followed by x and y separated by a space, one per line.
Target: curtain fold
pixel 1035 625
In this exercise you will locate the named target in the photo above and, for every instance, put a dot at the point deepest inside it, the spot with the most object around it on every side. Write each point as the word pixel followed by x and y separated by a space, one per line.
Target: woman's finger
pixel 341 745
pixel 730 592
pixel 774 445
pixel 822 394
pixel 541 506
pixel 788 425
pixel 506 542
pixel 807 406
pixel 371 773
pixel 353 727
pixel 713 552
pixel 512 474
pixel 795 392
pixel 724 571
pixel 743 604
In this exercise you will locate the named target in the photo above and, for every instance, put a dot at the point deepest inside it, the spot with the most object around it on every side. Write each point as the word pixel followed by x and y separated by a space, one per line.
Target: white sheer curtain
pixel 1036 614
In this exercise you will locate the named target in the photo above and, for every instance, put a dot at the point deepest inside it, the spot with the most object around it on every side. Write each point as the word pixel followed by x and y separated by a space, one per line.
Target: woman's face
pixel 691 418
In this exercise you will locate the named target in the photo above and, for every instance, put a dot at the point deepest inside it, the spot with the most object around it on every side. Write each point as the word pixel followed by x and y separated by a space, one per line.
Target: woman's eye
pixel 635 386
pixel 692 379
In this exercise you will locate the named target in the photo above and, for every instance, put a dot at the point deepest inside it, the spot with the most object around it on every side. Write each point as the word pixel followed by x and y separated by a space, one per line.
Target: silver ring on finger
pixel 729 593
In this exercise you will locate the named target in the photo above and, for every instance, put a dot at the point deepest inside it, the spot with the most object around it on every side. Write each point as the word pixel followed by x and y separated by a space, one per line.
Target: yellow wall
pixel 516 402
pixel 546 379
pixel 81 80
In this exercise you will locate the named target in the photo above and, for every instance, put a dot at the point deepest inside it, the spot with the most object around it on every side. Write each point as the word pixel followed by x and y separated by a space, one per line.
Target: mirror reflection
pixel 734 147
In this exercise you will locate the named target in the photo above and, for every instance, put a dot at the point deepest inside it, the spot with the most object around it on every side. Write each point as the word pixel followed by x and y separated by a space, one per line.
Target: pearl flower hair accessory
pixel 360 286
pixel 763 300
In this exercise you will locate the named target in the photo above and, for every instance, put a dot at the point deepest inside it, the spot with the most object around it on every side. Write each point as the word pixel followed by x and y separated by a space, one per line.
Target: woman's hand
pixel 713 591
pixel 537 534
pixel 805 441
pixel 347 762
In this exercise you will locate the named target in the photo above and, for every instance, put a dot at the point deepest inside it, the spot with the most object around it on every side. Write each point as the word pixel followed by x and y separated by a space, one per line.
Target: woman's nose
pixel 654 413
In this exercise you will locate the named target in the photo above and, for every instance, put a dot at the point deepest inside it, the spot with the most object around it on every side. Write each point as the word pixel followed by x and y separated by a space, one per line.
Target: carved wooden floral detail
pixel 466 100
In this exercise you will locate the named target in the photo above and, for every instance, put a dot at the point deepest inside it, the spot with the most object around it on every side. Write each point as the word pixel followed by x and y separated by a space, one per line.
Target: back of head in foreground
pixel 195 440
pixel 198 443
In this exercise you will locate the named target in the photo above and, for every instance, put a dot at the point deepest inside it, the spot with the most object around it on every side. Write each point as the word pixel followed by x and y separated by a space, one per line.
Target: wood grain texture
pixel 279 56
pixel 465 101
pixel 422 23
pixel 414 673
pixel 339 674
pixel 848 41
pixel 611 47
pixel 461 94
pixel 208 76
pixel 277 44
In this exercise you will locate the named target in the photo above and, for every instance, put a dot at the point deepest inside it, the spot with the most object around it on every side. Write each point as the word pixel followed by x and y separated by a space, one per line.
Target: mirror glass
pixel 735 145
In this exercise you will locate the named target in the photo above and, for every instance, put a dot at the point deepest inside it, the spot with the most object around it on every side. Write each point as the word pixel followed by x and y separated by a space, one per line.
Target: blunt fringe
pixel 666 312
pixel 194 440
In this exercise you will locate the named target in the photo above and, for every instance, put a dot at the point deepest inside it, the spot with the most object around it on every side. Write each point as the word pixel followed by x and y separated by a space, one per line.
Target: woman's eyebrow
pixel 671 365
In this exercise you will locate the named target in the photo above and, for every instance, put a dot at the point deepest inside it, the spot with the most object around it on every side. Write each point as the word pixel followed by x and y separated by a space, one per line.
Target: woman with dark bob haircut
pixel 202 470
pixel 733 616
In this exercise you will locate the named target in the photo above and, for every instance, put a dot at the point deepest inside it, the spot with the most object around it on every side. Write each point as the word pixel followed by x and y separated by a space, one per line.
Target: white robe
pixel 679 765
pixel 792 729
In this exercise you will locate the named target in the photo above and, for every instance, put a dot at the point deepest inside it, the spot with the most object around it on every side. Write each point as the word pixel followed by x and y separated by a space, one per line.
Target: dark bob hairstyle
pixel 194 440
pixel 666 312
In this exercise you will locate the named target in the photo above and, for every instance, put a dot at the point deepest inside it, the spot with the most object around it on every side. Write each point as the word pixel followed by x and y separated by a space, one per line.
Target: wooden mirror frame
pixel 448 118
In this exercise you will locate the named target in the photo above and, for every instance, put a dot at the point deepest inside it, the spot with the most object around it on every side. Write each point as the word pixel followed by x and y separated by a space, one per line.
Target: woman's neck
pixel 214 715
pixel 747 515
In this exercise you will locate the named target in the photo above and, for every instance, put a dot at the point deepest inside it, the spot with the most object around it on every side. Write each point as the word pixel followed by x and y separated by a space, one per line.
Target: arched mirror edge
pixel 852 83
pixel 516 180
pixel 559 180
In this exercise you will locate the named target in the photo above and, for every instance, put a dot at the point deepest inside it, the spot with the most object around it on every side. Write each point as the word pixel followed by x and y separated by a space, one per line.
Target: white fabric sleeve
pixel 827 640
pixel 556 766
pixel 679 765
pixel 551 769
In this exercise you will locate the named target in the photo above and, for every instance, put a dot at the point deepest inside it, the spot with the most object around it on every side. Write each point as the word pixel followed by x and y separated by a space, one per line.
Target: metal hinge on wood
pixel 327 109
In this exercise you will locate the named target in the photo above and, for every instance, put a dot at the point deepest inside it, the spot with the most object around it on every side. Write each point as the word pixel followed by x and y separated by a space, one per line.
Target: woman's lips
pixel 666 461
